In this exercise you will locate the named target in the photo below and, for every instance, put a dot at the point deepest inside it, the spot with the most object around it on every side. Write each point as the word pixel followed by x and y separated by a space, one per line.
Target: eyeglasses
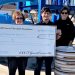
pixel 64 13
pixel 19 18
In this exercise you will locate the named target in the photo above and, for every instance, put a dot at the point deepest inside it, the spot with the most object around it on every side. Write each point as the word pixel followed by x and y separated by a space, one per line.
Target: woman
pixel 17 62
pixel 65 32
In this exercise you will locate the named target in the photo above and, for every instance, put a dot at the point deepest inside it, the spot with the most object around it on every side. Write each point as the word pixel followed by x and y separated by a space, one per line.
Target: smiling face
pixel 64 14
pixel 19 19
pixel 46 16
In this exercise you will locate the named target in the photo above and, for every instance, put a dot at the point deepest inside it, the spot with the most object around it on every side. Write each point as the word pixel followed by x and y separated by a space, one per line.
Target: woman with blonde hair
pixel 18 17
pixel 17 62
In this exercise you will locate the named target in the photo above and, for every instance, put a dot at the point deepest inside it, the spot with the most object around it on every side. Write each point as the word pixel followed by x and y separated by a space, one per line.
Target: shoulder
pixel 70 22
pixel 51 23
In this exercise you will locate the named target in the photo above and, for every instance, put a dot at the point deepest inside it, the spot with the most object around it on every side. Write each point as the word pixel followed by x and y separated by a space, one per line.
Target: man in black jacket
pixel 65 26
pixel 45 13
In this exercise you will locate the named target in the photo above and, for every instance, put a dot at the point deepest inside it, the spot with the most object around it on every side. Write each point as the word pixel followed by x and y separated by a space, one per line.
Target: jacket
pixel 68 32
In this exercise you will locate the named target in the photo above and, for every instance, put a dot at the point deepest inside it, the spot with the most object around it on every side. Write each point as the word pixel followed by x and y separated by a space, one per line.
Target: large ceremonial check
pixel 27 40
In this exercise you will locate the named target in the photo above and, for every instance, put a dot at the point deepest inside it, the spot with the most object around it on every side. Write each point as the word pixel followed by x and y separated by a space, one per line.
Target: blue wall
pixel 5 18
pixel 9 1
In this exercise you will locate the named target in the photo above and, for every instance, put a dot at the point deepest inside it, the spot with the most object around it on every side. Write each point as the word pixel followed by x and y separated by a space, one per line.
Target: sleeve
pixel 72 32
pixel 57 24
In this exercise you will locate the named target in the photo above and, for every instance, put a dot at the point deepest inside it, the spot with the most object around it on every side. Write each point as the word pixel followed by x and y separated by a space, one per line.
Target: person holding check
pixel 46 14
pixel 17 62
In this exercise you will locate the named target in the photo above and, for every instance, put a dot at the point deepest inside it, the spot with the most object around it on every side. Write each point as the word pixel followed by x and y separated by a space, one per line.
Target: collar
pixel 46 23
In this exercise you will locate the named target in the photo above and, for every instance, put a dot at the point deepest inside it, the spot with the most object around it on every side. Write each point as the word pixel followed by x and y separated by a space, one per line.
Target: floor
pixel 4 71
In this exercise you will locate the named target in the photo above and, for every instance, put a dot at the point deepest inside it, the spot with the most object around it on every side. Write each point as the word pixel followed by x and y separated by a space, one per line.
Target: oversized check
pixel 27 40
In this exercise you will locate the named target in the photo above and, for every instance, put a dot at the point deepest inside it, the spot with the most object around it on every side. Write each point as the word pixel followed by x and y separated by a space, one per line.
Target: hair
pixel 25 11
pixel 15 13
pixel 45 9
pixel 65 8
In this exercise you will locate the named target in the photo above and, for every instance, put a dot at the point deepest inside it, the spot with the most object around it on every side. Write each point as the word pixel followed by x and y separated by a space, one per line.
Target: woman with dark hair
pixel 65 32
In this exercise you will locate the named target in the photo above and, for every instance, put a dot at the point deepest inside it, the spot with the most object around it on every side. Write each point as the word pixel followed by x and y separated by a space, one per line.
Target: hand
pixel 70 43
pixel 58 34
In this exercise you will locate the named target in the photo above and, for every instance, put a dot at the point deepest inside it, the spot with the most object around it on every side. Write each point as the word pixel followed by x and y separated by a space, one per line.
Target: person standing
pixel 45 13
pixel 27 17
pixel 17 62
pixel 65 28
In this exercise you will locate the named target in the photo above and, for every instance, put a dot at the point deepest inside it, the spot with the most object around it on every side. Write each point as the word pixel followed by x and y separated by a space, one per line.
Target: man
pixel 46 14
pixel 27 19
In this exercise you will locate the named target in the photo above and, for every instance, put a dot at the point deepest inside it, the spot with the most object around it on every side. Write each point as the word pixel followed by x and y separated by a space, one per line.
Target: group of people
pixel 64 37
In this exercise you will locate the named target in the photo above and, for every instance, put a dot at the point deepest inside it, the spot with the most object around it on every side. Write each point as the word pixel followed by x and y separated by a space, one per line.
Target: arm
pixel 58 34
